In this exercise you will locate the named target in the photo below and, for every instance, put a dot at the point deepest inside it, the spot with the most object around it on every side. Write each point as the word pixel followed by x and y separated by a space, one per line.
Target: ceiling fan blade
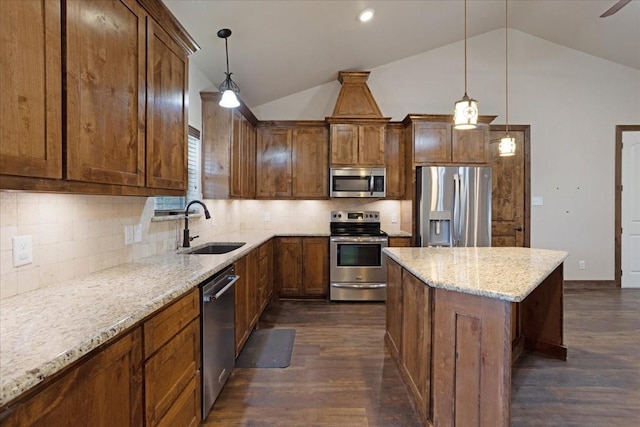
pixel 616 7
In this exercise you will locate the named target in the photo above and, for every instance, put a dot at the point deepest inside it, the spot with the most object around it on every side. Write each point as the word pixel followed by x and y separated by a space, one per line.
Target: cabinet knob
pixel 518 228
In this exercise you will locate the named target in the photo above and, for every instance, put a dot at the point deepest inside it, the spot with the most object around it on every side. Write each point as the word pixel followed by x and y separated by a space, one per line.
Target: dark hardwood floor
pixel 599 384
pixel 341 374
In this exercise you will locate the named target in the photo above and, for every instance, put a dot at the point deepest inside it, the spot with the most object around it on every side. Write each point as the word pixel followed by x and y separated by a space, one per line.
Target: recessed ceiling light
pixel 366 15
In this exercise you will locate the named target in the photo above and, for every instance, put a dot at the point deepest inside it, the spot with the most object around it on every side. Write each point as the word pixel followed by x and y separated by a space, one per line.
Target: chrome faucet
pixel 185 234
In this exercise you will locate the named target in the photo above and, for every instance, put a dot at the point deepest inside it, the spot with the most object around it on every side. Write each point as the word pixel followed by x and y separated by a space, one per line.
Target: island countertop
pixel 510 274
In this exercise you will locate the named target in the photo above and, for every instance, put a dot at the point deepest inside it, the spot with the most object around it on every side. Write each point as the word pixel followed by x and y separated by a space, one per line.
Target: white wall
pixel 572 100
pixel 197 83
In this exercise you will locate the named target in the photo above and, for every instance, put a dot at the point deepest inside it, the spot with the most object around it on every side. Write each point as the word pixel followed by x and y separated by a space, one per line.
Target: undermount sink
pixel 216 248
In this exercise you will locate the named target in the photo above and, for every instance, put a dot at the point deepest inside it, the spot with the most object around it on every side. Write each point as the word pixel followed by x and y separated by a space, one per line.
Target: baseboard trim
pixel 573 285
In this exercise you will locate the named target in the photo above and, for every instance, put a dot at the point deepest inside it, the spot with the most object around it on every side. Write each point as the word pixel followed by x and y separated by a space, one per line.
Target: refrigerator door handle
pixel 455 234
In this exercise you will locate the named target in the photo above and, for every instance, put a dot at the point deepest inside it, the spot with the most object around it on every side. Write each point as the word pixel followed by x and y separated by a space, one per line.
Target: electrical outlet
pixel 394 218
pixel 581 264
pixel 128 234
pixel 537 201
pixel 267 217
pixel 137 233
pixel 22 250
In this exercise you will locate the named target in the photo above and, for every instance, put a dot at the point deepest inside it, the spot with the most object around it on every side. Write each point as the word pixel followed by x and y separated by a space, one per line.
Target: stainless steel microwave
pixel 358 182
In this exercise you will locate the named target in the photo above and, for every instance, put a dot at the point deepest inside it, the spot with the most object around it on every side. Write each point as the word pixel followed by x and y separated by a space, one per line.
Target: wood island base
pixel 455 350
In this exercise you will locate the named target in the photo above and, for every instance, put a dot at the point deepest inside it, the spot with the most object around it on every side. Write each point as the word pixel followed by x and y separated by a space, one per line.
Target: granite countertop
pixel 504 273
pixel 45 330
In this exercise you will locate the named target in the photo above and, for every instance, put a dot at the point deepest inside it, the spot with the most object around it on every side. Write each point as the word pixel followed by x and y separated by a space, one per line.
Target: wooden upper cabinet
pixel 357 144
pixel 106 60
pixel 394 161
pixel 471 146
pixel 292 161
pixel 228 150
pixel 371 145
pixel 243 157
pixel 432 142
pixel 249 137
pixel 167 80
pixel 344 144
pixel 216 134
pixel 274 162
pixel 31 89
pixel 309 162
pixel 435 141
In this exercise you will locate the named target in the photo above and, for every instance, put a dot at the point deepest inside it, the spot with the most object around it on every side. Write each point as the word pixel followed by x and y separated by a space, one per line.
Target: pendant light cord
pixel 465 47
pixel 506 59
pixel 226 49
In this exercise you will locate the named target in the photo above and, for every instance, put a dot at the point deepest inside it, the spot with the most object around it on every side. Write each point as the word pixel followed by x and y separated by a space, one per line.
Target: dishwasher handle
pixel 217 295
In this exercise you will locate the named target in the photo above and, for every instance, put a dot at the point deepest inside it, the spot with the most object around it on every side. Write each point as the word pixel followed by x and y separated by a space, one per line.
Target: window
pixel 175 205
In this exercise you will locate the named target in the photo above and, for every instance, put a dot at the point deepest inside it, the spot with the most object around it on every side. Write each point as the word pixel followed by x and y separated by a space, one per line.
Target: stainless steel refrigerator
pixel 453 206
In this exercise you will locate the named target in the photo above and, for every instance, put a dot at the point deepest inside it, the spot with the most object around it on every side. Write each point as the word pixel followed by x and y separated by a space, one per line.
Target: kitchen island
pixel 457 318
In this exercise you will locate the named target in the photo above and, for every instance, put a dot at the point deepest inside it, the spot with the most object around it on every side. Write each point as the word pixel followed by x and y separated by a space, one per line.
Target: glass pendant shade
pixel 465 115
pixel 228 87
pixel 507 146
pixel 229 99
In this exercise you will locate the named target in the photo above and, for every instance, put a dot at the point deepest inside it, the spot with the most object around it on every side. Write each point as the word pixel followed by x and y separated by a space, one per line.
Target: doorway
pixel 510 200
pixel 627 206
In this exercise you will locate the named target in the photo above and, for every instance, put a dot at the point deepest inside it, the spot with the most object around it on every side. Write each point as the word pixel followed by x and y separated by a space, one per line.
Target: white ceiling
pixel 285 46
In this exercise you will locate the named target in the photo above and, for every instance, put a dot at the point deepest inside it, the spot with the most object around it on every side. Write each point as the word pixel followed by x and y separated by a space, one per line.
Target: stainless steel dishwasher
pixel 218 334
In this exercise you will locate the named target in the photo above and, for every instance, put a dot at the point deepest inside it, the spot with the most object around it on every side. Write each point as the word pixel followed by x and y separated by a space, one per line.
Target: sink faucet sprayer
pixel 185 234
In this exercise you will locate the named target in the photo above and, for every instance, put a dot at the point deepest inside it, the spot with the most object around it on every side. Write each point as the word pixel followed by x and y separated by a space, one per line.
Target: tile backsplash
pixel 74 235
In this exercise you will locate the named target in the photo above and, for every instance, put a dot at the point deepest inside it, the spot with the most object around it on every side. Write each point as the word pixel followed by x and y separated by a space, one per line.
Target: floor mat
pixel 267 348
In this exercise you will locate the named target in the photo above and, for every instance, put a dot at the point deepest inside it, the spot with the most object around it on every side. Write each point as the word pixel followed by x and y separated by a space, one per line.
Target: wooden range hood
pixel 355 101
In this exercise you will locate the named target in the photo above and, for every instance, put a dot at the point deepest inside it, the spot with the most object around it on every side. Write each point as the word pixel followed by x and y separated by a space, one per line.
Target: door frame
pixel 526 129
pixel 620 129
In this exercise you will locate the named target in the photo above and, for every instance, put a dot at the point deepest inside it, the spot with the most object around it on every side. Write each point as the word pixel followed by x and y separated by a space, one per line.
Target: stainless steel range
pixel 358 268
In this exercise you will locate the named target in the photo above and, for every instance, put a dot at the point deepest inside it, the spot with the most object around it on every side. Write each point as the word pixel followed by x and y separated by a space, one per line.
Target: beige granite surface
pixel 44 330
pixel 504 273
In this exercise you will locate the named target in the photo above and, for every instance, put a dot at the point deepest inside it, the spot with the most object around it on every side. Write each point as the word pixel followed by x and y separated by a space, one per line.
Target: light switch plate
pixel 137 233
pixel 267 217
pixel 394 218
pixel 128 234
pixel 537 201
pixel 22 250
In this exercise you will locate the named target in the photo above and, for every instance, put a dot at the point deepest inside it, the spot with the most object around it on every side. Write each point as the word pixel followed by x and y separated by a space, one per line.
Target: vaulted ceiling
pixel 285 46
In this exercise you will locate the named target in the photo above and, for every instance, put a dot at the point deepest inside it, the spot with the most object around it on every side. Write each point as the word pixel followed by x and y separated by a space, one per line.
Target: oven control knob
pixel 339 215
pixel 376 215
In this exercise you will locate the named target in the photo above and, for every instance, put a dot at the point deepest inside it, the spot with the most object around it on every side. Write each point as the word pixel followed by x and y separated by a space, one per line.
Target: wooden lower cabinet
pixel 394 308
pixel 172 363
pixel 106 388
pixel 169 374
pixel 253 291
pixel 103 390
pixel 302 266
pixel 408 333
pixel 398 242
pixel 242 329
pixel 415 352
pixel 265 272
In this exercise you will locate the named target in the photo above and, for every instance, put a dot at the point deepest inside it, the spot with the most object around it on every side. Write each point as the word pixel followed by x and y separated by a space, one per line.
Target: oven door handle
pixel 360 286
pixel 359 239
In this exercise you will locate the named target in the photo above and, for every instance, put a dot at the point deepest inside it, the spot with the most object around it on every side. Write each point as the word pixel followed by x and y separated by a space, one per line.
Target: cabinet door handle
pixel 518 228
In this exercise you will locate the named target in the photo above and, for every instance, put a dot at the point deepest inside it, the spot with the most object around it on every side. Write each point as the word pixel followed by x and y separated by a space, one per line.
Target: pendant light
pixel 465 111
pixel 507 146
pixel 228 88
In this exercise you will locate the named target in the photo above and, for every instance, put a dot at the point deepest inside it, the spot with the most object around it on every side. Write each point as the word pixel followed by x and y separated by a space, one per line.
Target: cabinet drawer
pixel 186 409
pixel 161 327
pixel 169 371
